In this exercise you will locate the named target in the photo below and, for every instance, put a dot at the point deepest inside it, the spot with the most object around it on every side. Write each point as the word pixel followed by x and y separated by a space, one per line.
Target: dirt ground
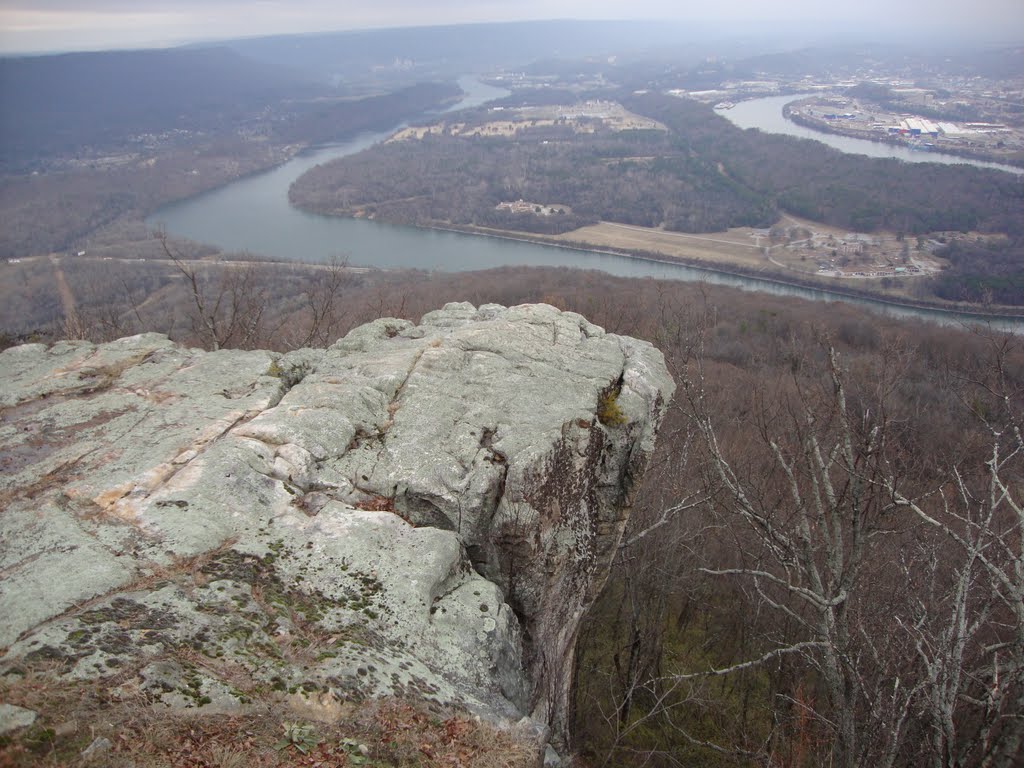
pixel 731 247
pixel 791 245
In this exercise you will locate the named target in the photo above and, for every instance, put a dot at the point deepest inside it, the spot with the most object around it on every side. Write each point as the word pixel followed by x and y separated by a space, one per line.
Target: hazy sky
pixel 36 25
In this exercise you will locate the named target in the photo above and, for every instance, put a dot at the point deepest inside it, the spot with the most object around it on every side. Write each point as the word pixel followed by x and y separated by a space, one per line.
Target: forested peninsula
pixel 697 172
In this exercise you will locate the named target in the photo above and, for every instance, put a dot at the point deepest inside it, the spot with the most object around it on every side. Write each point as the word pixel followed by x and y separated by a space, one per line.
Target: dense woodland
pixel 809 179
pixel 819 575
pixel 640 178
pixel 814 574
pixel 703 175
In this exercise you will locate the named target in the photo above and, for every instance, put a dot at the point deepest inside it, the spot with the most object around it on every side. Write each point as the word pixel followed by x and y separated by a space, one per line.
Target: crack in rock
pixel 437 506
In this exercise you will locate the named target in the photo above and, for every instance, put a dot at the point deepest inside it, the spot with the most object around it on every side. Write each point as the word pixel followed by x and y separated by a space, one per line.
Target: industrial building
pixel 916 126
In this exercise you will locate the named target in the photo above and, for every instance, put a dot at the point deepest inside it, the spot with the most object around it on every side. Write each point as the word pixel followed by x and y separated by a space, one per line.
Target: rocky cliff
pixel 422 511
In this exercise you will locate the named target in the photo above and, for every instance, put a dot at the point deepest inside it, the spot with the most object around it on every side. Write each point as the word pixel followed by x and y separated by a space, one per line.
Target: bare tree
pixel 974 654
pixel 323 303
pixel 805 520
pixel 105 313
pixel 884 594
pixel 227 307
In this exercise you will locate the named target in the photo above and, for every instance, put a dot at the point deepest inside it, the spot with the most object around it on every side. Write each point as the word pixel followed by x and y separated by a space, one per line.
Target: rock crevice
pixel 437 506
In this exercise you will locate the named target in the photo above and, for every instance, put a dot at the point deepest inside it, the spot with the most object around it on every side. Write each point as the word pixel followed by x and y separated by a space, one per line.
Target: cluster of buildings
pixel 915 126
pixel 909 126
pixel 593 109
pixel 521 206
pixel 919 126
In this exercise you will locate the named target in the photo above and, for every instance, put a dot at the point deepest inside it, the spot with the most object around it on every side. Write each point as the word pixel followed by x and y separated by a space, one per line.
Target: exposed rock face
pixel 422 510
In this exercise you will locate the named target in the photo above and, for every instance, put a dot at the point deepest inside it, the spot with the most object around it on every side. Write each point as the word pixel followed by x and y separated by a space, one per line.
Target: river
pixel 766 114
pixel 253 214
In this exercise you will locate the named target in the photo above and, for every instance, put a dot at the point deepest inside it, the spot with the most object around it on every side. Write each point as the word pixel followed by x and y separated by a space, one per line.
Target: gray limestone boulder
pixel 418 510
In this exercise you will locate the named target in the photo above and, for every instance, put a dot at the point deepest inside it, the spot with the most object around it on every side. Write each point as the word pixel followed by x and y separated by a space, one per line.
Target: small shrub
pixel 608 411
pixel 302 737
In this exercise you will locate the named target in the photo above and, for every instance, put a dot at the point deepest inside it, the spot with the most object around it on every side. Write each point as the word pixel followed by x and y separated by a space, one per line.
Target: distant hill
pixel 61 104
pixel 58 104
pixel 839 60
pixel 912 61
pixel 444 51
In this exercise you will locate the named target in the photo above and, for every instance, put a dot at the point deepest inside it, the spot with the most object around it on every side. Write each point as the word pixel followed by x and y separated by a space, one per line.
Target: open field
pixel 732 247
pixel 793 244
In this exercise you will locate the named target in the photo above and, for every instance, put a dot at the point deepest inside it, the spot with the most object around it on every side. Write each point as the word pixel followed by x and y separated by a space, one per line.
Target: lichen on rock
pixel 419 510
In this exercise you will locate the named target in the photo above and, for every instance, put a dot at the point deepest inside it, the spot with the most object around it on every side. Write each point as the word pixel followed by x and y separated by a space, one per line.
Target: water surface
pixel 253 214
pixel 766 114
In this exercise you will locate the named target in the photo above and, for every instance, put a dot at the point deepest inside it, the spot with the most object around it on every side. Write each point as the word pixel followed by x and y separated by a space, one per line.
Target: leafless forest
pixel 825 564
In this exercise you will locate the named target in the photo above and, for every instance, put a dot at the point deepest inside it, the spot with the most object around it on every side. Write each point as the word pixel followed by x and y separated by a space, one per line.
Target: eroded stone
pixel 421 511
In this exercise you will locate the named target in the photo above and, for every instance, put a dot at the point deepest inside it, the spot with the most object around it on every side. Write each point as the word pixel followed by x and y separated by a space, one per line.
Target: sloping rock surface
pixel 418 510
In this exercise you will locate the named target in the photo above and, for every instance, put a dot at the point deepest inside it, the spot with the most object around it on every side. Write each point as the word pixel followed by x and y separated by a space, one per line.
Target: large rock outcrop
pixel 418 510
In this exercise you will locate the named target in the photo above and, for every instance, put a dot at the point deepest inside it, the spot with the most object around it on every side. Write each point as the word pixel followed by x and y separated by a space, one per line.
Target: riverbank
pixel 766 114
pixel 254 215
pixel 791 112
pixel 970 311
pixel 68 208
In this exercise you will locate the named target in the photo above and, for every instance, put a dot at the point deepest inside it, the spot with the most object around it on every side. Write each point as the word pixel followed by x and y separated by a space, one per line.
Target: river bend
pixel 253 214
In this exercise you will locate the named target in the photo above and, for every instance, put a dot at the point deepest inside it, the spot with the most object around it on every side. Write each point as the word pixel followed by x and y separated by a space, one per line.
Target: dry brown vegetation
pixel 820 569
pixel 122 296
pixel 278 731
pixel 703 651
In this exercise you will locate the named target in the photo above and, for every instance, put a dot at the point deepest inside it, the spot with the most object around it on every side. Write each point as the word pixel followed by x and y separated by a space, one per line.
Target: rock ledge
pixel 418 510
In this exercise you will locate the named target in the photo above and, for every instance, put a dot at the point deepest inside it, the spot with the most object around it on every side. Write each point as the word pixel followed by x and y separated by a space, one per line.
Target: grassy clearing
pixel 735 247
